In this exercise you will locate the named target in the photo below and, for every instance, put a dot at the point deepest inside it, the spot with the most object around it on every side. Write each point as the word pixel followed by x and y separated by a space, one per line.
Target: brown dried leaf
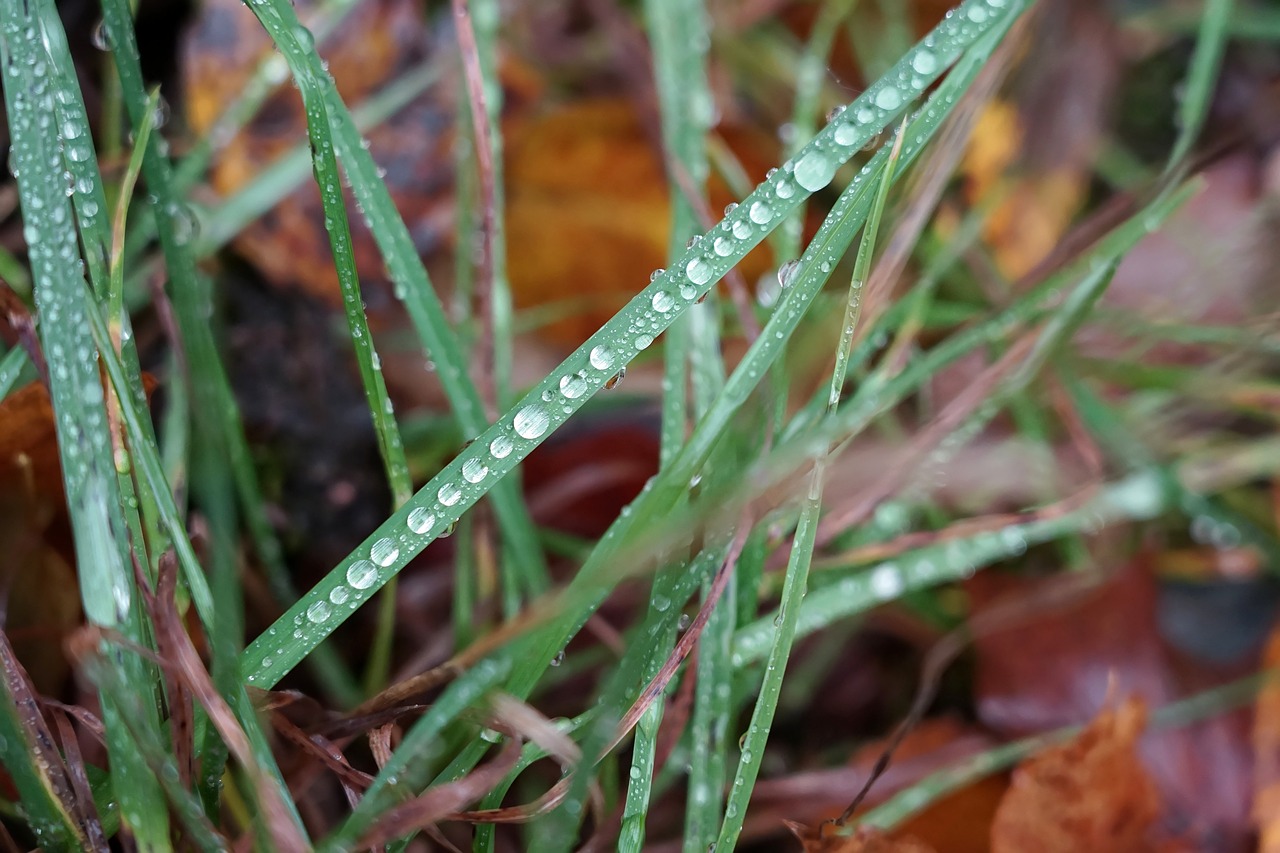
pixel 1090 794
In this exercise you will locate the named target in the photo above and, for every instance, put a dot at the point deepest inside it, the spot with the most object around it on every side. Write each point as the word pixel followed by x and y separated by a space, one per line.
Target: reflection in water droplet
pixel 614 380
pixel 573 386
pixel 741 229
pixel 888 98
pixel 601 357
pixel 698 270
pixel 420 520
pixel 339 595
pixel 319 611
pixel 473 470
pixel 760 213
pixel 531 422
pixel 814 170
pixel 723 247
pixel 924 62
pixel 688 291
pixel 361 574
pixel 663 301
pixel 384 552
pixel 501 446
pixel 787 273
pixel 643 341
pixel 449 494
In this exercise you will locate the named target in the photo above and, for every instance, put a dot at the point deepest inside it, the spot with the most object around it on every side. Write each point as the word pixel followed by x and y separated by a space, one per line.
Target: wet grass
pixel 734 527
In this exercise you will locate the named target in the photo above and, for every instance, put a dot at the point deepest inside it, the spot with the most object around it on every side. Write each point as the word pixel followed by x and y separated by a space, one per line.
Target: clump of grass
pixel 738 434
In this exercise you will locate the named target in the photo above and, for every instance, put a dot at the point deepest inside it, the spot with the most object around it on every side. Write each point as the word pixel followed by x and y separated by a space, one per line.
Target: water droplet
pixel 688 291
pixel 531 422
pixel 846 133
pixel 99 38
pixel 473 470
pixel 601 357
pixel 361 574
pixel 656 274
pixel 420 520
pixel 730 207
pixel 558 659
pixel 339 595
pixel 886 581
pixel 760 213
pixel 613 383
pixel 741 229
pixel 501 446
pixel 888 98
pixel 160 115
pixel 384 552
pixel 924 62
pixel 698 271
pixel 784 189
pixel 573 386
pixel 449 494
pixel 723 247
pixel 448 530
pixel 977 14
pixel 683 623
pixel 815 170
pixel 643 341
pixel 663 301
pixel 787 273
pixel 319 611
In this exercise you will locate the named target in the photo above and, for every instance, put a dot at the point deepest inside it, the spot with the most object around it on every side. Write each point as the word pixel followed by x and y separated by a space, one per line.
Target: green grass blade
pixel 405 268
pixel 89 474
pixel 677 35
pixel 797 572
pixel 1202 77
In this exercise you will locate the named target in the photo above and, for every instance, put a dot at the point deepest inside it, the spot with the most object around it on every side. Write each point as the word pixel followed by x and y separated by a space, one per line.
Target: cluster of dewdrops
pixel 711 256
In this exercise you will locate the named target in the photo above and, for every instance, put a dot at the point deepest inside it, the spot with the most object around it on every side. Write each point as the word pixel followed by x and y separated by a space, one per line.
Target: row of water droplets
pixel 633 330
pixel 1137 497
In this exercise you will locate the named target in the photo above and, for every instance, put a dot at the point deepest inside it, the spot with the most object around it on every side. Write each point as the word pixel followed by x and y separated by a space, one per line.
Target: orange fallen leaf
pixel 1266 754
pixel 588 212
pixel 1089 794
pixel 1036 209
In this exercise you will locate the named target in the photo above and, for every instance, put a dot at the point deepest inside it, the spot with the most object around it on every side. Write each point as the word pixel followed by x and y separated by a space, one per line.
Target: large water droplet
pixel 384 552
pixel 846 133
pixel 723 247
pixel 531 422
pixel 601 357
pixel 643 341
pixel 449 494
pixel 420 520
pixel 473 470
pixel 319 611
pixel 787 273
pixel 361 574
pixel 888 98
pixel 924 62
pixel 698 271
pixel 339 595
pixel 501 446
pixel 760 213
pixel 663 301
pixel 688 291
pixel 977 14
pixel 741 229
pixel 784 189
pixel 573 386
pixel 815 170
